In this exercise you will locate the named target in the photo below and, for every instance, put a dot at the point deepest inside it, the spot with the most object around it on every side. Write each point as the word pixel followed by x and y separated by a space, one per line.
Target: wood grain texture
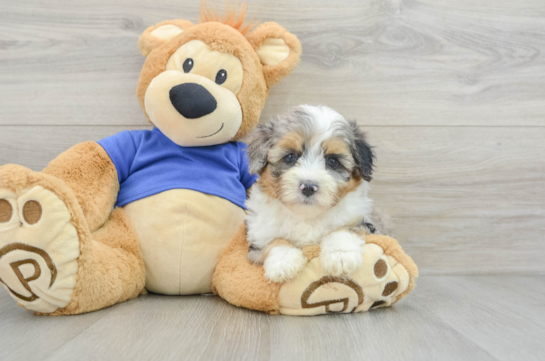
pixel 507 308
pixel 445 318
pixel 391 62
pixel 451 94
pixel 173 328
pixel 465 200
pixel 35 146
pixel 24 336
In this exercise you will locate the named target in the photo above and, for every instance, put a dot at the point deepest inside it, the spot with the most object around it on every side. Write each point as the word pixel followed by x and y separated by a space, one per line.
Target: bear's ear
pixel 157 35
pixel 278 50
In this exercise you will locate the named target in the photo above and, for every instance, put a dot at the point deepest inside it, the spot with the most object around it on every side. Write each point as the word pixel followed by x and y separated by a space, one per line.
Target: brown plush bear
pixel 147 209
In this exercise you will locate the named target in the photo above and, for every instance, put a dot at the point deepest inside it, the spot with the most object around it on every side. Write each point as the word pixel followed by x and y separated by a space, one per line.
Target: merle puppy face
pixel 309 158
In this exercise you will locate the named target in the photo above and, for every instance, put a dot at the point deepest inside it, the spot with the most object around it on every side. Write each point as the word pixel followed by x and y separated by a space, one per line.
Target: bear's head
pixel 207 84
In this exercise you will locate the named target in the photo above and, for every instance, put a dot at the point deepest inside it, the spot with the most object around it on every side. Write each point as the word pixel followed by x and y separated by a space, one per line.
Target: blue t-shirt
pixel 148 163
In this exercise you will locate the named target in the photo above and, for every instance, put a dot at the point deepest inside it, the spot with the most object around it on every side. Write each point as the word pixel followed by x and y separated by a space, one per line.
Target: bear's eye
pixel 290 158
pixel 188 65
pixel 332 163
pixel 221 77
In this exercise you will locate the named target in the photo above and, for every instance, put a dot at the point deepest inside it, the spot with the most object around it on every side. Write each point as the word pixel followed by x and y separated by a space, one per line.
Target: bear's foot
pixel 39 244
pixel 385 275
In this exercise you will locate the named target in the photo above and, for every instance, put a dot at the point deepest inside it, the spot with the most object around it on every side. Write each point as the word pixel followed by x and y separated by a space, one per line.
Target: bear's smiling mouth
pixel 206 136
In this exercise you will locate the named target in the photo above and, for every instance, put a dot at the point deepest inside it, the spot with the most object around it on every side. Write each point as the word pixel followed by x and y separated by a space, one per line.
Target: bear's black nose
pixel 192 100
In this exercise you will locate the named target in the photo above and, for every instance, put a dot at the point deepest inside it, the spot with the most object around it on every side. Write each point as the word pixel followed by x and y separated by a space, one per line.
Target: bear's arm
pixel 88 170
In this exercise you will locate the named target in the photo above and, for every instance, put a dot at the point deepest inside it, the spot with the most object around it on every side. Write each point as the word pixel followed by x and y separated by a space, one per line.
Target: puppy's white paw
pixel 341 253
pixel 341 263
pixel 283 263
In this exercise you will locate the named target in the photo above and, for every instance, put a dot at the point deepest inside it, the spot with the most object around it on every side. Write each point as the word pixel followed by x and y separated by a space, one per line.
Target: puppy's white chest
pixel 305 233
pixel 268 219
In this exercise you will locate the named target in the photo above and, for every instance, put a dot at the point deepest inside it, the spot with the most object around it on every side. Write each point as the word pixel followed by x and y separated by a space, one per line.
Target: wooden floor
pixel 446 318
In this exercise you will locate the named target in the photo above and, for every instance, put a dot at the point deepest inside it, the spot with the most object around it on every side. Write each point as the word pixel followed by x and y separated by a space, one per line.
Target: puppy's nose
pixel 192 100
pixel 308 189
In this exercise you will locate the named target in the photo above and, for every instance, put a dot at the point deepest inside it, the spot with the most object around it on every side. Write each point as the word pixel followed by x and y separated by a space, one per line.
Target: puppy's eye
pixel 188 65
pixel 221 77
pixel 290 158
pixel 332 163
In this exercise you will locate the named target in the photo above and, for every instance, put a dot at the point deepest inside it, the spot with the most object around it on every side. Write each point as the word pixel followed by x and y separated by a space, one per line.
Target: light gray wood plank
pixel 24 336
pixel 173 328
pixel 34 147
pixel 389 62
pixel 445 318
pixel 496 313
pixel 406 332
pixel 464 200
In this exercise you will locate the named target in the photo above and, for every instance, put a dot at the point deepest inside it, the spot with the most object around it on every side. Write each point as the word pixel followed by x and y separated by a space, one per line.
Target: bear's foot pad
pixel 376 283
pixel 39 248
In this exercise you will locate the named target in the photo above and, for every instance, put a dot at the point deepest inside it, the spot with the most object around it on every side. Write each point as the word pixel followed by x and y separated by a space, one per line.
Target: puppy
pixel 315 168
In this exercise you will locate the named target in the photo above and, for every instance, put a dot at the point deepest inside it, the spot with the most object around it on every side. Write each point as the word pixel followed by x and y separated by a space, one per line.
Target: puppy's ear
pixel 362 152
pixel 259 143
pixel 156 35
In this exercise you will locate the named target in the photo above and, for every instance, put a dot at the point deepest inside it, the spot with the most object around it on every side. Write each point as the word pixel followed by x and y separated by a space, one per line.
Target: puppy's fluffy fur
pixel 314 169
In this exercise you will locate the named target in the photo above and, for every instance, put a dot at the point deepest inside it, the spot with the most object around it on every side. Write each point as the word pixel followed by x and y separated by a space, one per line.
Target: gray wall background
pixel 452 93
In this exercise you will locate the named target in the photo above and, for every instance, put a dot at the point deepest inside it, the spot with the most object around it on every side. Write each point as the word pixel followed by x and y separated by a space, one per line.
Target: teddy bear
pixel 147 210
